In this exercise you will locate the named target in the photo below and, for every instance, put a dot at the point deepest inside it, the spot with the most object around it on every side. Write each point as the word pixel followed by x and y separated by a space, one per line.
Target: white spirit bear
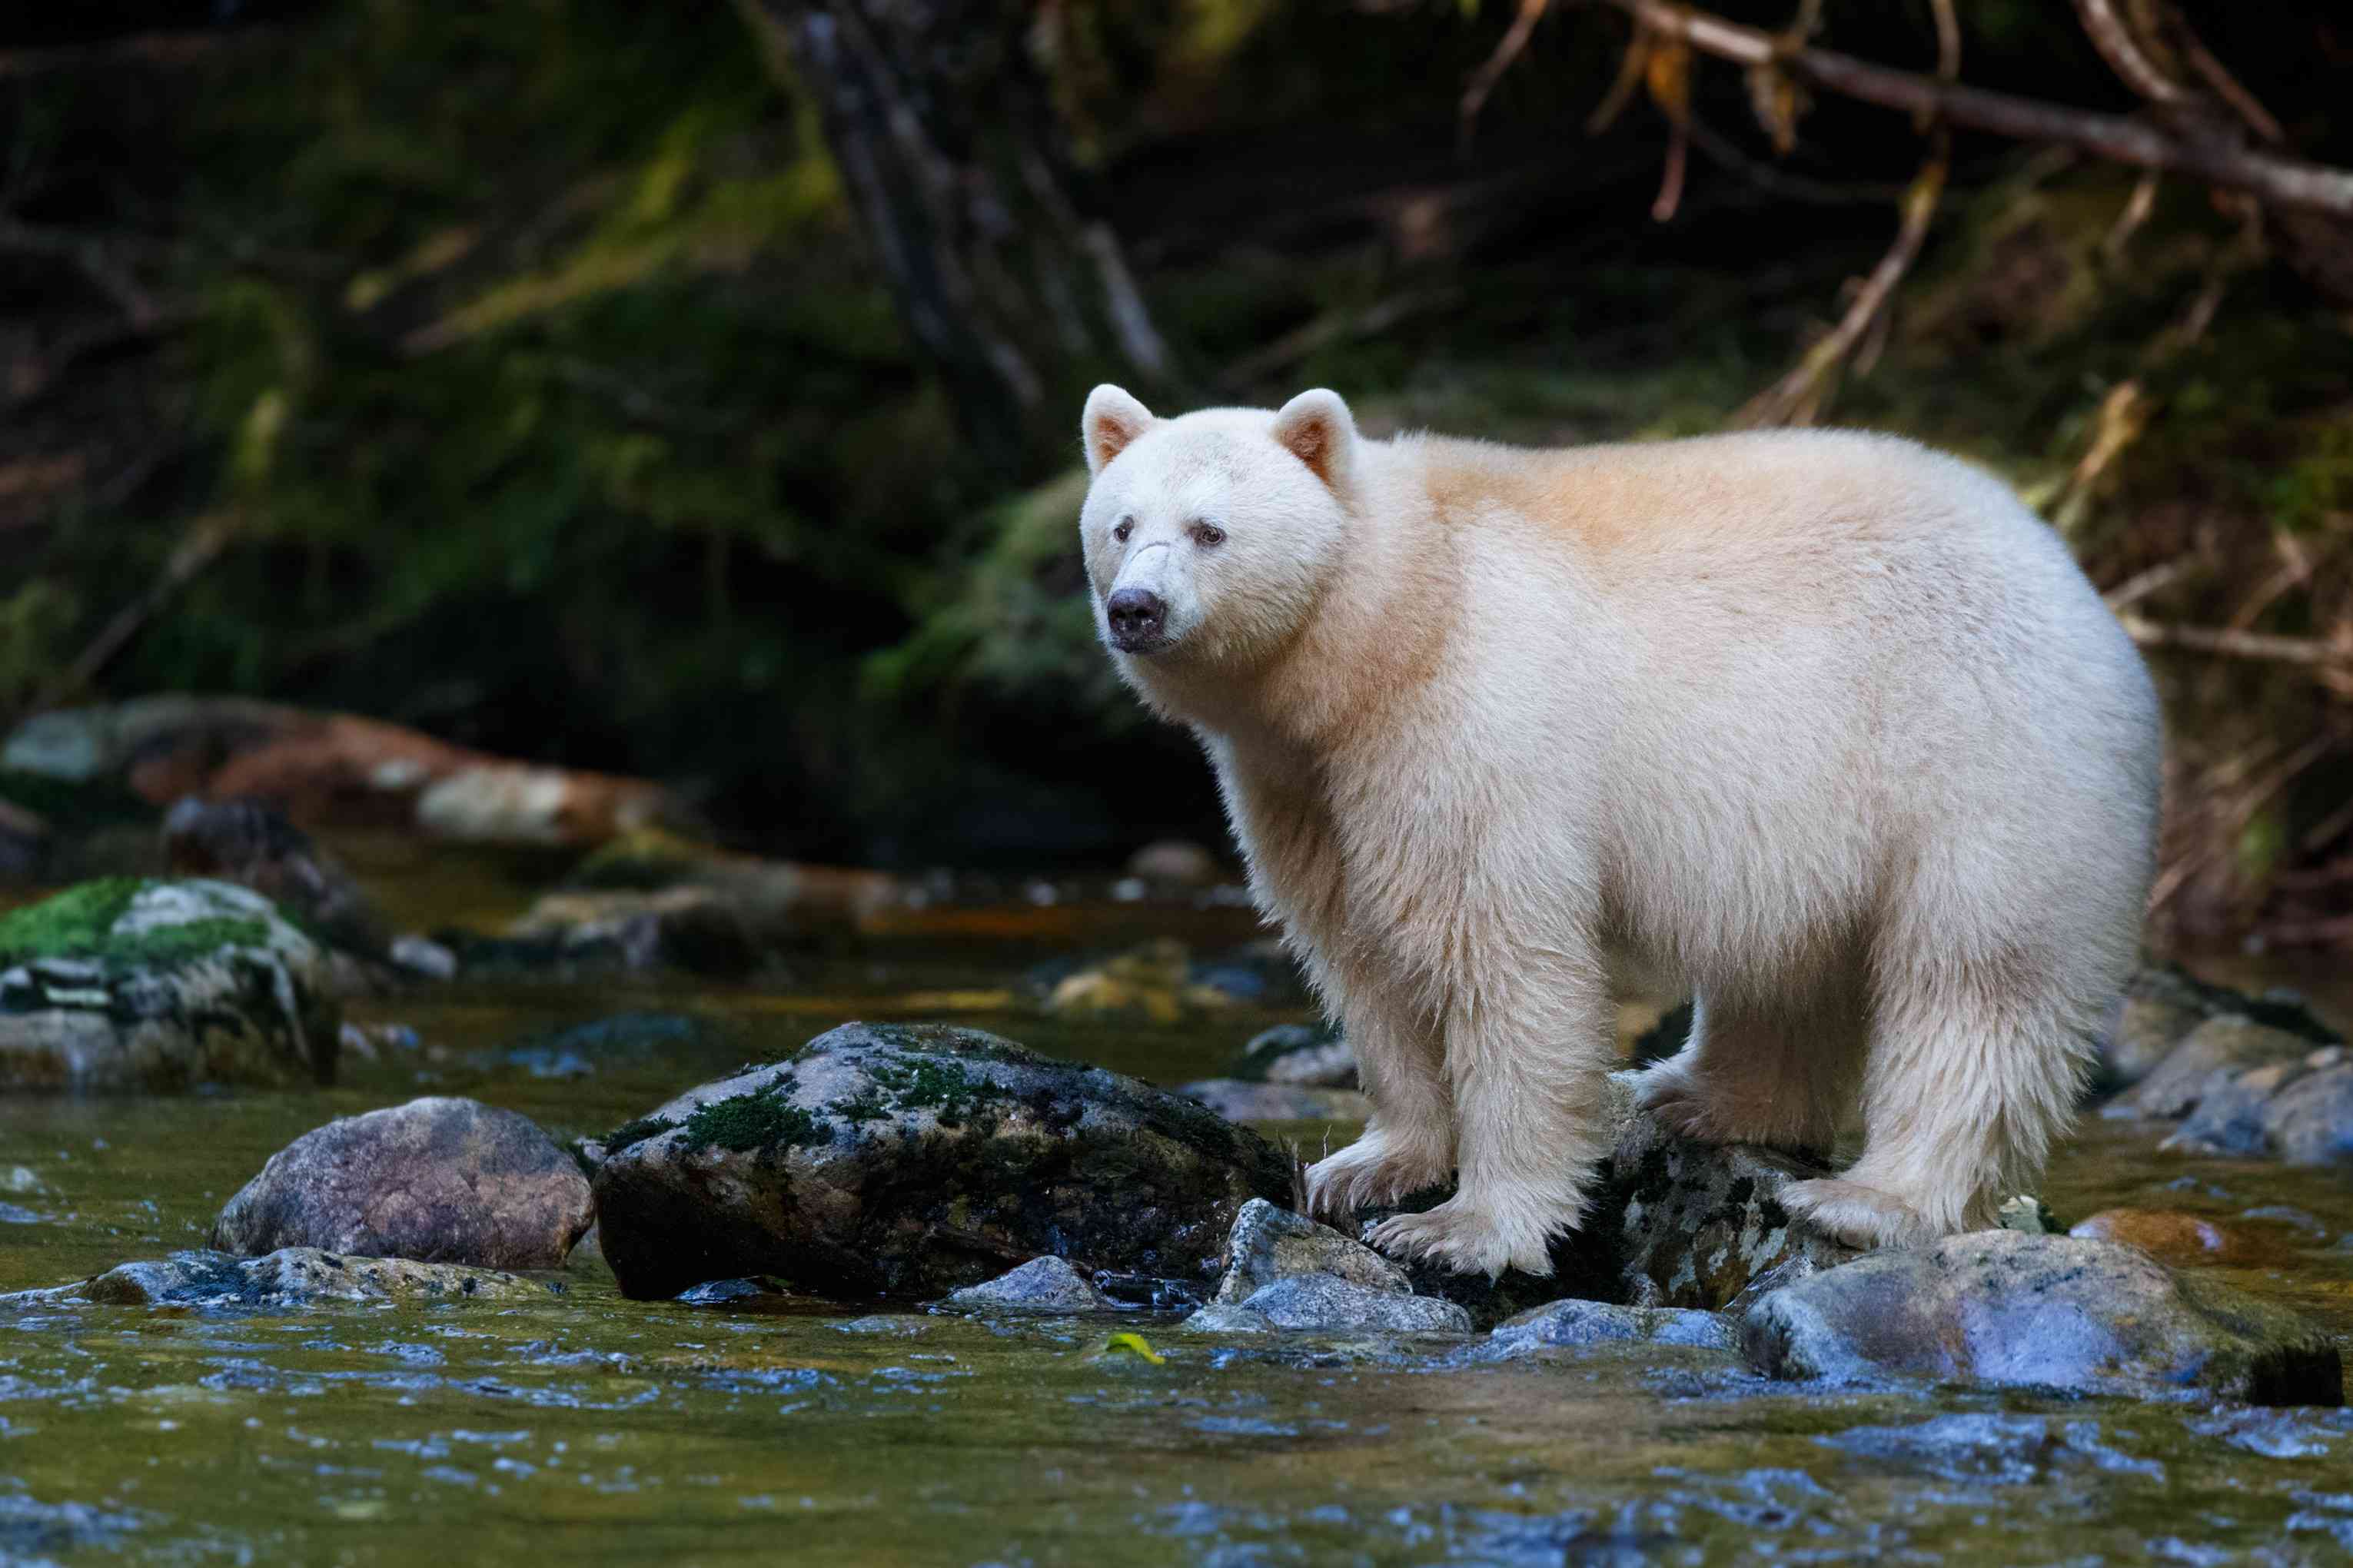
pixel 1824 727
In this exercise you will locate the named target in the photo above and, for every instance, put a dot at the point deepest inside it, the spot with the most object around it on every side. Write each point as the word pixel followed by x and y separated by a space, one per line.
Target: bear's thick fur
pixel 1823 726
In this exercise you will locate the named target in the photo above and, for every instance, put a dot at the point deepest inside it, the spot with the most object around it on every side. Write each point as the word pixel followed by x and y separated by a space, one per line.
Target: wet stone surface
pixel 439 1180
pixel 910 1161
pixel 2042 1311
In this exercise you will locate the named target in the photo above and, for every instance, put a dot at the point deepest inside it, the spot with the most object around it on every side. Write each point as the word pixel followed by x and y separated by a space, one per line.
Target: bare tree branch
pixel 2274 178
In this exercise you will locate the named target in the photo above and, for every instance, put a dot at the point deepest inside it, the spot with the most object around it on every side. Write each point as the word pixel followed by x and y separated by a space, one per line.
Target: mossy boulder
pixel 129 983
pixel 910 1161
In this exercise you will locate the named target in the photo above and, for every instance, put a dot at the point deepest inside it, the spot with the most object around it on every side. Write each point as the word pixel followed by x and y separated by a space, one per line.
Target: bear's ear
pixel 1112 419
pixel 1317 429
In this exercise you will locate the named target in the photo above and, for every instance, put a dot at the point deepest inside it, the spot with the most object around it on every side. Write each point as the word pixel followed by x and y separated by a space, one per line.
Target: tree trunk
pixel 945 133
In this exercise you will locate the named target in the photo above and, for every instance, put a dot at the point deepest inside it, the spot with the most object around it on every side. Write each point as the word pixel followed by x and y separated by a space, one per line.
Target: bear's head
pixel 1210 538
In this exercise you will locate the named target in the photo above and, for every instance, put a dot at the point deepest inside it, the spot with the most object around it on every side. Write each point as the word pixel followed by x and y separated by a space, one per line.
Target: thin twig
pixel 1513 44
pixel 206 538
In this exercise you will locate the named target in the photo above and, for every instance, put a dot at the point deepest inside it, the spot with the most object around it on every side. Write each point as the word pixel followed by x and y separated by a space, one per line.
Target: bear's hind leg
pixel 1973 1070
pixel 1779 1075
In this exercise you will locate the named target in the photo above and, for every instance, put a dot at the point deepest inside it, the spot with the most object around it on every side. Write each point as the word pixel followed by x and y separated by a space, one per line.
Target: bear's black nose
pixel 1135 615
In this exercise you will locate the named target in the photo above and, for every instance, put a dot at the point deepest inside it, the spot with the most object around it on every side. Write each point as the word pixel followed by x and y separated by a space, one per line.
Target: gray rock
pixel 1238 1100
pixel 295 1277
pixel 909 1161
pixel 692 930
pixel 2162 1004
pixel 1603 1323
pixel 1328 1303
pixel 2046 1311
pixel 2214 1052
pixel 1048 1287
pixel 127 984
pixel 1268 1244
pixel 423 958
pixel 2310 1120
pixel 440 1181
pixel 1311 1054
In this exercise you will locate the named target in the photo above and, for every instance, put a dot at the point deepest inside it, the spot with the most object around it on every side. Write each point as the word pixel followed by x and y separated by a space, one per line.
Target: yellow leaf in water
pixel 1131 1344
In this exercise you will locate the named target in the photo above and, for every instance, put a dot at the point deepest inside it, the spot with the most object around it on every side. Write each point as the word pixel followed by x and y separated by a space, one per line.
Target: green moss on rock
pixel 80 923
pixel 765 1118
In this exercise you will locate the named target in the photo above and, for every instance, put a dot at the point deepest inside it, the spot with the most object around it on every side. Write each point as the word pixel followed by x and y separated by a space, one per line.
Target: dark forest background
pixel 690 390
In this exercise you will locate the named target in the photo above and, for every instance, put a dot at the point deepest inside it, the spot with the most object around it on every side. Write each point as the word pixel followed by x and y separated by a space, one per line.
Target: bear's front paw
pixel 1376 1169
pixel 1470 1239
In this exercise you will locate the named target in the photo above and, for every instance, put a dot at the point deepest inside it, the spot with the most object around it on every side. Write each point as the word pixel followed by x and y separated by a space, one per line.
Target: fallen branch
pixel 2273 177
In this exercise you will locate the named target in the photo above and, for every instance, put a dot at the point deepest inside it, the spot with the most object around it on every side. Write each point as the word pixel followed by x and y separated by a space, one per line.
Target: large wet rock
pixel 329 769
pixel 127 984
pixel 437 1180
pixel 1669 1223
pixel 2299 1110
pixel 898 1160
pixel 2041 1311
pixel 294 1278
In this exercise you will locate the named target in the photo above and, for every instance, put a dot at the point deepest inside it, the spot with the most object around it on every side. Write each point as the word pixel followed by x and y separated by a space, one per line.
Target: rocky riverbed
pixel 1266 1391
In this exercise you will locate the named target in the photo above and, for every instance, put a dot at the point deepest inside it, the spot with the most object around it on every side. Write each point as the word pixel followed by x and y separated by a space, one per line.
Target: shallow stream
pixel 598 1429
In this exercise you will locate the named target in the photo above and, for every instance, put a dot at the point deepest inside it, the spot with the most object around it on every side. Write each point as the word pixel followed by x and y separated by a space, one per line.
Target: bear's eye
pixel 1208 535
pixel 1126 526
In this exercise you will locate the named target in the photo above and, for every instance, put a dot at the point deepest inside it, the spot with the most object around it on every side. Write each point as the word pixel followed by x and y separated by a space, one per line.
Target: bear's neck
pixel 1376 640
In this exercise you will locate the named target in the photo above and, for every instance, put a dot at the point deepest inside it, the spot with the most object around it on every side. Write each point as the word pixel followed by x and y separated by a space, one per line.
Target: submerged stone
pixel 127 984
pixel 1044 1286
pixel 437 1180
pixel 2173 1236
pixel 294 1277
pixel 2045 1312
pixel 910 1161
pixel 1602 1322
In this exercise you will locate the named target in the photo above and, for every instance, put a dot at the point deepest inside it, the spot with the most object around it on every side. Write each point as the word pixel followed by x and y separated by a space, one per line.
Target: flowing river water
pixel 593 1428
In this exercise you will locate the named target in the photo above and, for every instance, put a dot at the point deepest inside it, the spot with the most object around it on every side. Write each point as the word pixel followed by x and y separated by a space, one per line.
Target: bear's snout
pixel 1136 616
